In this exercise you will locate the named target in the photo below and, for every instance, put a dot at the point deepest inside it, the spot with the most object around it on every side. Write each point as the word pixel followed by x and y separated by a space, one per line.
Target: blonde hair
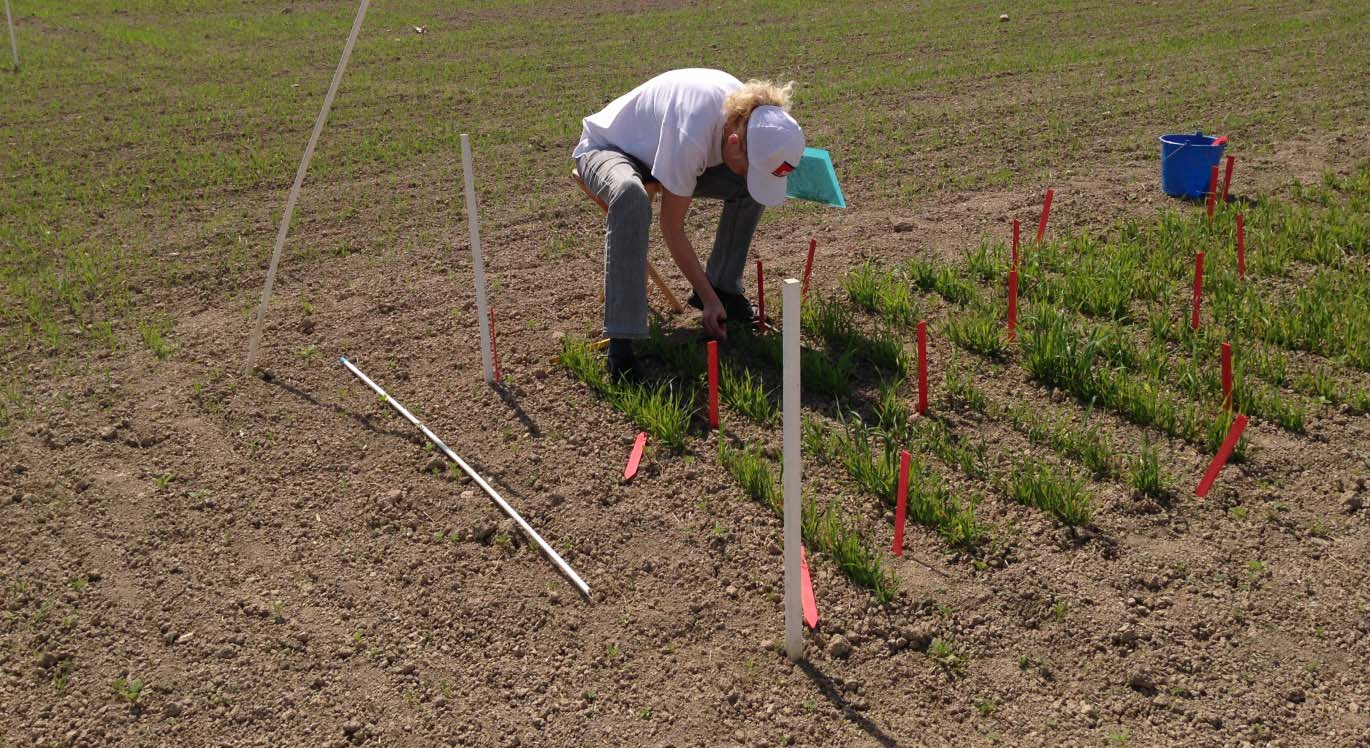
pixel 738 106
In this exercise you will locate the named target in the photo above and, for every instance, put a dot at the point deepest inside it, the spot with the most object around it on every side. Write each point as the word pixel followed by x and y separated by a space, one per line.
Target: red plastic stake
pixel 1241 247
pixel 1227 178
pixel 922 367
pixel 901 503
pixel 1017 227
pixel 1046 213
pixel 494 349
pixel 1212 189
pixel 808 269
pixel 713 384
pixel 1012 305
pixel 1198 289
pixel 760 298
pixel 806 597
pixel 1220 459
pixel 636 456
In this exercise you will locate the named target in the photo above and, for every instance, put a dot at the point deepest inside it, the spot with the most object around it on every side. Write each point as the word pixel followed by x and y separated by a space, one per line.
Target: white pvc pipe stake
pixel 256 339
pixel 503 505
pixel 14 48
pixel 794 613
pixel 482 311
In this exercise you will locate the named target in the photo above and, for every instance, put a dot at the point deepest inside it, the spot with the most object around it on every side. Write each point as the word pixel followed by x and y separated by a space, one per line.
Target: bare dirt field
pixel 192 555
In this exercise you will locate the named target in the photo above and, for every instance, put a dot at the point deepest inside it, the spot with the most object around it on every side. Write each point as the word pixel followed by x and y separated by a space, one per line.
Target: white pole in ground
pixel 14 48
pixel 482 313
pixel 794 613
pixel 256 339
pixel 503 505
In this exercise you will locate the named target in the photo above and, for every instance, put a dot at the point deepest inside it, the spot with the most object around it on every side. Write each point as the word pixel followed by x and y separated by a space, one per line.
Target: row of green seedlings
pixel 1107 280
pixel 1089 446
pixel 982 331
pixel 1057 354
pixel 1229 301
pixel 1153 364
pixel 890 296
pixel 666 409
pixel 823 529
pixel 872 462
pixel 1054 351
pixel 1031 482
pixel 931 503
pixel 1326 315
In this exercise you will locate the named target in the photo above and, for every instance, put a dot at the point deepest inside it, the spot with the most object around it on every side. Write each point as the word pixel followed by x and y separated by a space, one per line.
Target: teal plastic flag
pixel 815 179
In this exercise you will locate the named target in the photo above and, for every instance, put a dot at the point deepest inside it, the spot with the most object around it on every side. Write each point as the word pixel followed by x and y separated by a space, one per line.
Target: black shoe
pixel 735 305
pixel 622 363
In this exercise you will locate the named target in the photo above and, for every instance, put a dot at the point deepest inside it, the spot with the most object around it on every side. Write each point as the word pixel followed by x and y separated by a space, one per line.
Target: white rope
pixel 256 339
pixel 14 48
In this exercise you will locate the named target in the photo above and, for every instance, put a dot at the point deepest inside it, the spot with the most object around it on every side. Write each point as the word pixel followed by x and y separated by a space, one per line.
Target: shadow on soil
pixel 830 692
pixel 362 419
pixel 507 395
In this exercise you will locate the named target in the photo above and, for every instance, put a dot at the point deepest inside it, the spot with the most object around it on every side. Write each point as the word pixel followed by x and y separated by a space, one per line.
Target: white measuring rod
pixel 503 505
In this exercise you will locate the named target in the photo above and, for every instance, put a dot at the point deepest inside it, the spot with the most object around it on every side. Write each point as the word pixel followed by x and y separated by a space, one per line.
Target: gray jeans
pixel 616 178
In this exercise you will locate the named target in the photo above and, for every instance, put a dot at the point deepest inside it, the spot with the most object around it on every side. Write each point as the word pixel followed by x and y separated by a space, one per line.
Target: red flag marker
pixel 1046 213
pixel 808 269
pixel 494 350
pixel 1017 227
pixel 901 502
pixel 1227 179
pixel 1212 189
pixel 760 298
pixel 922 367
pixel 1227 376
pixel 806 592
pixel 636 456
pixel 1012 305
pixel 1198 289
pixel 1220 459
pixel 713 384
pixel 1241 247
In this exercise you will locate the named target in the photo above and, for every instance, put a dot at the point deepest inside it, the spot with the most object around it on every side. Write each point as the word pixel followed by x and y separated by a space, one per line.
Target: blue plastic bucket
pixel 1187 162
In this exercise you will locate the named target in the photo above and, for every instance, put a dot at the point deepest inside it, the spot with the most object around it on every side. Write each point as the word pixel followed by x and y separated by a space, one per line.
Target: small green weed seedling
pixel 128 689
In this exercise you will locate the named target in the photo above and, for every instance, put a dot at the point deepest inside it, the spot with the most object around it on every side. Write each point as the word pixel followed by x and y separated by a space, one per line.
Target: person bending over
pixel 700 133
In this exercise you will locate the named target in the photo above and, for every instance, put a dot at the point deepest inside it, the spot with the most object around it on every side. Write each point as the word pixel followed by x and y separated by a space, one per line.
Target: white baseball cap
pixel 775 144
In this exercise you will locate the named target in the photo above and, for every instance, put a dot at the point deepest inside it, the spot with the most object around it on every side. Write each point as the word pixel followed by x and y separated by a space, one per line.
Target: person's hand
pixel 714 317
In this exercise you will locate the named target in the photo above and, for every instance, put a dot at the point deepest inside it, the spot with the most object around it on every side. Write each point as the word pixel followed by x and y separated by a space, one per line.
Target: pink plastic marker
pixel 1220 458
pixel 1212 189
pixel 636 456
pixel 760 298
pixel 713 383
pixel 806 597
pixel 1227 376
pixel 901 502
pixel 1241 247
pixel 922 367
pixel 1017 228
pixel 1198 289
pixel 808 269
pixel 1227 178
pixel 494 349
pixel 1046 214
pixel 1012 305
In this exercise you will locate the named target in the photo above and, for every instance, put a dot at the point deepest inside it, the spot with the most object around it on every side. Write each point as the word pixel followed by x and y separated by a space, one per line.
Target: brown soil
pixel 300 580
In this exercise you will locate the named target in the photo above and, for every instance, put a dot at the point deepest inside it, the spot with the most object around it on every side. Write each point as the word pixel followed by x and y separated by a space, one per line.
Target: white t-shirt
pixel 673 123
